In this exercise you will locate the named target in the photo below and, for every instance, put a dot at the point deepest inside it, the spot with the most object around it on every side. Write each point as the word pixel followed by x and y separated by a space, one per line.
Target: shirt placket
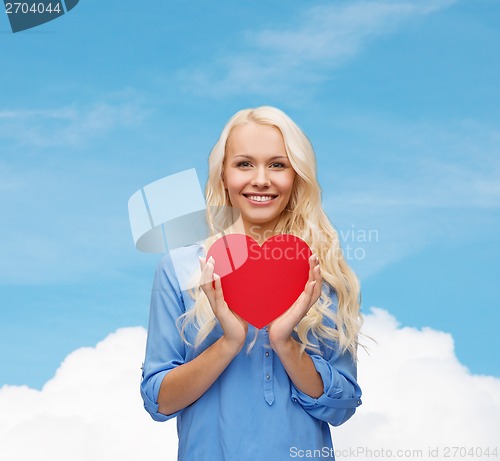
pixel 268 371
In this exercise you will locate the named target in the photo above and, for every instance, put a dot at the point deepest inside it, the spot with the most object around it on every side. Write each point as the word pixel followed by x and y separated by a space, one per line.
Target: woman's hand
pixel 281 328
pixel 234 327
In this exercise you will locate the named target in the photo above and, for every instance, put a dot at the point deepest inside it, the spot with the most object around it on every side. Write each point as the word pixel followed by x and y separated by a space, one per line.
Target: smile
pixel 260 198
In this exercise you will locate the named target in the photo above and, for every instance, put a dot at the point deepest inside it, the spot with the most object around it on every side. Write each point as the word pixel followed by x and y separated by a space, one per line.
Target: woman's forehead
pixel 252 140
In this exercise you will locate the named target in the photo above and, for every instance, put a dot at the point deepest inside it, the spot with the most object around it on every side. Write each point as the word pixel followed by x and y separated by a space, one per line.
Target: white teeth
pixel 260 198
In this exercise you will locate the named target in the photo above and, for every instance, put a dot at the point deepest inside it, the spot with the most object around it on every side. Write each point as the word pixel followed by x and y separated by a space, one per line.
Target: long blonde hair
pixel 303 217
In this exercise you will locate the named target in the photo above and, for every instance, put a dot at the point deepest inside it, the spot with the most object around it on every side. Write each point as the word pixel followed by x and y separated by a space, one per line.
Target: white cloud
pixel 416 395
pixel 278 60
pixel 66 126
pixel 333 31
pixel 90 410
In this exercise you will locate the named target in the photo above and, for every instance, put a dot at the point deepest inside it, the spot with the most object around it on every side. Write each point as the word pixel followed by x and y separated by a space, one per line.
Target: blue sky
pixel 400 99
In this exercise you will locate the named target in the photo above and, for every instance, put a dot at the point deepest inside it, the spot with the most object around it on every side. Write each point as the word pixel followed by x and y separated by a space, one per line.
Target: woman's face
pixel 258 175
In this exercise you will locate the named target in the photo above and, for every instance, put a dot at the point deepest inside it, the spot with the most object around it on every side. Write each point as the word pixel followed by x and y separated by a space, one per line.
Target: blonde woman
pixel 240 393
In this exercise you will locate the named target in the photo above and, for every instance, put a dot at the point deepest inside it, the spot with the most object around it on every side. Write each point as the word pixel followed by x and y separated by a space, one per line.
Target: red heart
pixel 261 282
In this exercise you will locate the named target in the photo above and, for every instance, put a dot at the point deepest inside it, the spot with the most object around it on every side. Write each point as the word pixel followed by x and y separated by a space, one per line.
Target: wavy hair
pixel 303 217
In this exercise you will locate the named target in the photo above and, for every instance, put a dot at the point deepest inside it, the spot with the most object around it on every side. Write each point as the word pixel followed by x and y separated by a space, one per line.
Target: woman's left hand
pixel 281 328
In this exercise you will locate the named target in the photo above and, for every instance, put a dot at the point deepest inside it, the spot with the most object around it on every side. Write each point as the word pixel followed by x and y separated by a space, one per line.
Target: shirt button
pixel 267 354
pixel 294 399
pixel 268 377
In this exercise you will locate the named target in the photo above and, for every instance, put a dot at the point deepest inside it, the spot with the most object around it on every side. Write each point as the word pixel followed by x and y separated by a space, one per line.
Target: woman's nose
pixel 261 178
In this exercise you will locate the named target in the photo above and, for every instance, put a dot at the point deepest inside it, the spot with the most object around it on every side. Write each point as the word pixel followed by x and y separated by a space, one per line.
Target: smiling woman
pixel 241 392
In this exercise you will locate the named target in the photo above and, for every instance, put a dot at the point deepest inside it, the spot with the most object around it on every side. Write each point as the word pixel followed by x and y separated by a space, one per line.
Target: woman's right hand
pixel 234 327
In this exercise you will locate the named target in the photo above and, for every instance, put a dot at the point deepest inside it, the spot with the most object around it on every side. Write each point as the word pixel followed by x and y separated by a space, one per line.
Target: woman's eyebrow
pixel 252 158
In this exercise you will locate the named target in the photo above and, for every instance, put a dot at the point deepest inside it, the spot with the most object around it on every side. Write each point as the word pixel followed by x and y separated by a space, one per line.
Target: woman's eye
pixel 278 165
pixel 243 164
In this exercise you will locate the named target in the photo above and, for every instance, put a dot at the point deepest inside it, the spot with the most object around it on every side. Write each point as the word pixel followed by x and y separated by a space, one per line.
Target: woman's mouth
pixel 259 199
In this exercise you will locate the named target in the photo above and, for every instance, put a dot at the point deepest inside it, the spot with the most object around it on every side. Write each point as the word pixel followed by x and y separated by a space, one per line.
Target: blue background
pixel 400 100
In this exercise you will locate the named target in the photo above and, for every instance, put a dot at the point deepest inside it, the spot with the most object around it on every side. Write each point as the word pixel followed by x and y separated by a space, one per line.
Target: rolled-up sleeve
pixel 341 392
pixel 165 349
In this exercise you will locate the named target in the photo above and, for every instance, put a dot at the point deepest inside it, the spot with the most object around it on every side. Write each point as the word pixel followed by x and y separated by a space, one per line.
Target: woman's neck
pixel 260 233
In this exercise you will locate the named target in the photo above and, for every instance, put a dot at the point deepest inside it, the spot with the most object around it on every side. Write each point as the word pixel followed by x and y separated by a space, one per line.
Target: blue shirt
pixel 252 412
